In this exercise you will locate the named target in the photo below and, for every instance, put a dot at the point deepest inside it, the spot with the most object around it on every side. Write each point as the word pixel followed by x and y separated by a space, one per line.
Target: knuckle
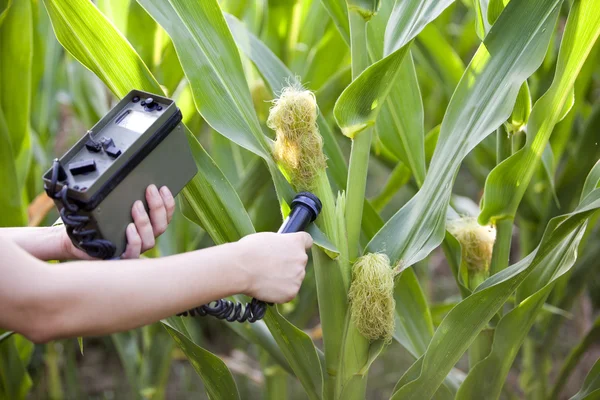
pixel 135 240
pixel 160 228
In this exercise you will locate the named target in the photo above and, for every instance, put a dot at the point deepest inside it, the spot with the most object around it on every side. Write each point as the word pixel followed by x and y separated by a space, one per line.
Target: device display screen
pixel 136 121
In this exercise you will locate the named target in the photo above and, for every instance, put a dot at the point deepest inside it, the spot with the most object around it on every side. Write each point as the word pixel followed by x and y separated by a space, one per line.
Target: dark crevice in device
pixel 75 222
pixel 305 209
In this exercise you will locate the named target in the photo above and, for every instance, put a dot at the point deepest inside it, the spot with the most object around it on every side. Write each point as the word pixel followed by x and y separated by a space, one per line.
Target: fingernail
pixel 153 190
pixel 140 206
pixel 165 191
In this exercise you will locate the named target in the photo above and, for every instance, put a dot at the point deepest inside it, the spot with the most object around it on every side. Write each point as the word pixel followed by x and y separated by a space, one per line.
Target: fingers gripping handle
pixel 305 209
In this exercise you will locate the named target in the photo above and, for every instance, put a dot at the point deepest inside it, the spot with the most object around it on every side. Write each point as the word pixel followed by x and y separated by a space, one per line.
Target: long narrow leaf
pixel 217 378
pixel 462 325
pixel 506 184
pixel 483 100
pixel 400 123
pixel 358 106
pixel 591 385
pixel 212 64
pixel 338 11
pixel 277 75
pixel 16 52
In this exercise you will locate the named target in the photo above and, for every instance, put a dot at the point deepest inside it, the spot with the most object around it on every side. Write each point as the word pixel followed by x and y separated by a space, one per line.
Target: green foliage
pixel 378 76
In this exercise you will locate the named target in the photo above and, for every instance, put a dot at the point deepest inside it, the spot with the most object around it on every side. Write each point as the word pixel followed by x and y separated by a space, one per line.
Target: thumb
pixel 306 239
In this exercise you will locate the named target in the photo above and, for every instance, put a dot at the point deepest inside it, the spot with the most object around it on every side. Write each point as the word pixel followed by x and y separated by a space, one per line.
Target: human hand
pixel 274 264
pixel 141 233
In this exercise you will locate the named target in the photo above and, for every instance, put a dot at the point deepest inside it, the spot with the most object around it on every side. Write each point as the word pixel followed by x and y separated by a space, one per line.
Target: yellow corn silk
pixel 298 146
pixel 477 244
pixel 371 296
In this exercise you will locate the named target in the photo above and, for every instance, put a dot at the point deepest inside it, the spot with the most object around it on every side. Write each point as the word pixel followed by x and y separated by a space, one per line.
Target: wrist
pixel 61 243
pixel 242 274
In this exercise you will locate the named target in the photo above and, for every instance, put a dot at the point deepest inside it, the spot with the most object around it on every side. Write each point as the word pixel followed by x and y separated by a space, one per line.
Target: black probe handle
pixel 305 209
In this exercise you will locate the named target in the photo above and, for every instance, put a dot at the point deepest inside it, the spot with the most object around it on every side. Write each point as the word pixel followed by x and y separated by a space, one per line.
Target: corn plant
pixel 313 95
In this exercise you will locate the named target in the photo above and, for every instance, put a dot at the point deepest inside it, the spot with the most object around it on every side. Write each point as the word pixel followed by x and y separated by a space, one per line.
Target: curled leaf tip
pixel 371 296
pixel 298 145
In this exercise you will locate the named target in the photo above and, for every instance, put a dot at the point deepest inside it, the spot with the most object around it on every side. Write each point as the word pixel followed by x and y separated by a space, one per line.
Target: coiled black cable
pixel 230 311
pixel 75 223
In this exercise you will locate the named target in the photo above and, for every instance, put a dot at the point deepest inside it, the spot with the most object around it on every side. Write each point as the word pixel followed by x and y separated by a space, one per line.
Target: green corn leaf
pixel 481 18
pixel 86 34
pixel 16 53
pixel 10 201
pixel 277 76
pixel 213 68
pixel 141 32
pixel 444 58
pixel 495 8
pixel 359 105
pixel 299 350
pixel 366 8
pixel 506 184
pixel 105 51
pixel 400 123
pixel 489 374
pixel 522 110
pixel 414 325
pixel 210 195
pixel 585 154
pixel 126 344
pixel 217 378
pixel 212 64
pixel 332 48
pixel 462 325
pixel 4 6
pixel 591 385
pixel 117 11
pixel 156 361
pixel 338 11
pixel 14 357
pixel 592 182
pixel 572 360
pixel 259 334
pixel 484 98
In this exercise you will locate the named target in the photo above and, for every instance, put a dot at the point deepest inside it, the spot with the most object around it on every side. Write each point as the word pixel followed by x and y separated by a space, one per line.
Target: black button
pixel 159 108
pixel 113 151
pixel 107 142
pixel 92 146
pixel 82 167
pixel 150 102
pixel 136 99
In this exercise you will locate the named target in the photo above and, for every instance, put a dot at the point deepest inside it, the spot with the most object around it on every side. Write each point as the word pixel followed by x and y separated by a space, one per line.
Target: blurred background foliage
pixel 48 99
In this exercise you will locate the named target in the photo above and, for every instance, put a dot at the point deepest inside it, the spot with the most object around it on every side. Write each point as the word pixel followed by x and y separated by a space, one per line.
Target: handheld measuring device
pixel 140 142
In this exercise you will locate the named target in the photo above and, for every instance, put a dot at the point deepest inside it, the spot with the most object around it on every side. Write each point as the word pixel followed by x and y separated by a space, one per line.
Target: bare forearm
pixel 44 243
pixel 99 297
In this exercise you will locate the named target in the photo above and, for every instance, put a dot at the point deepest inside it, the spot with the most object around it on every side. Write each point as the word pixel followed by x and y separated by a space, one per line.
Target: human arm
pixel 94 298
pixel 53 243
